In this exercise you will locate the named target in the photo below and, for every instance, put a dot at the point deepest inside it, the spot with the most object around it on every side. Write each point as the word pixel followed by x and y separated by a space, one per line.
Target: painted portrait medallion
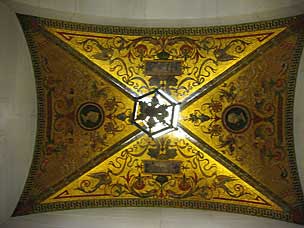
pixel 236 118
pixel 90 116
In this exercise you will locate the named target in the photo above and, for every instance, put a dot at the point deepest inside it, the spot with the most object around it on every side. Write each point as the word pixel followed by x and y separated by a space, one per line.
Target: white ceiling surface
pixel 18 102
pixel 159 12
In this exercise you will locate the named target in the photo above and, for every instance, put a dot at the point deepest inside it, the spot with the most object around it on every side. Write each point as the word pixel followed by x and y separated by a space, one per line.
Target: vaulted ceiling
pixel 221 97
pixel 18 100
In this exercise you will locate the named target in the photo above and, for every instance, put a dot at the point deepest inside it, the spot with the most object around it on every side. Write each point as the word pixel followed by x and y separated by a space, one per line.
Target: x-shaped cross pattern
pixel 196 118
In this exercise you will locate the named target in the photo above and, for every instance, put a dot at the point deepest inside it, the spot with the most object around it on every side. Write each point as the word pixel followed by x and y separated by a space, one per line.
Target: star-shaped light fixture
pixel 156 113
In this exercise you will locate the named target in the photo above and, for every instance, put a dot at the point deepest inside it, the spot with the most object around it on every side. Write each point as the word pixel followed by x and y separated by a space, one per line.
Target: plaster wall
pixel 18 102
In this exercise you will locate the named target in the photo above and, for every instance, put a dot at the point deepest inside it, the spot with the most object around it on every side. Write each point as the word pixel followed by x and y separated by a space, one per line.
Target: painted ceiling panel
pixel 196 176
pixel 220 100
pixel 197 60
pixel 244 124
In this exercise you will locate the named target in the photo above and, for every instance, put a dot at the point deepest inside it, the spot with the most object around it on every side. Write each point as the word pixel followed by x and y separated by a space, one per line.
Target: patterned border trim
pixel 41 123
pixel 289 121
pixel 135 202
pixel 156 31
pixel 25 204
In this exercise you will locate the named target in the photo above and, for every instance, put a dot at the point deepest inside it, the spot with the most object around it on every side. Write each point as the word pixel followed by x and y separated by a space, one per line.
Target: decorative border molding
pixel 135 202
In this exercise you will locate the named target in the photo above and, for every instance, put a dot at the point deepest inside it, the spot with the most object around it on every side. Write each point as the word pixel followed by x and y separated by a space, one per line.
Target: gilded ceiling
pixel 175 117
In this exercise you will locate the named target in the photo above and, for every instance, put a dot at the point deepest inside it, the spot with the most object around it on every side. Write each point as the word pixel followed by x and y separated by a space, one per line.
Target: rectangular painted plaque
pixel 163 68
pixel 162 167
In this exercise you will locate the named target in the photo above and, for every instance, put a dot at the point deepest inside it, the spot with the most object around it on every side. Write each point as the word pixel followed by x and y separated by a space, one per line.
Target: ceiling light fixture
pixel 156 113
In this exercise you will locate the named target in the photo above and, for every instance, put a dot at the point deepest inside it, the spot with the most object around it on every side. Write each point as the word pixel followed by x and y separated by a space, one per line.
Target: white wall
pixel 18 102
pixel 159 12
pixel 143 218
pixel 17 112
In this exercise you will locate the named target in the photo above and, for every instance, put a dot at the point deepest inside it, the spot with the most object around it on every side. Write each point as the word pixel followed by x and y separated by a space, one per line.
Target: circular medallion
pixel 90 116
pixel 236 118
